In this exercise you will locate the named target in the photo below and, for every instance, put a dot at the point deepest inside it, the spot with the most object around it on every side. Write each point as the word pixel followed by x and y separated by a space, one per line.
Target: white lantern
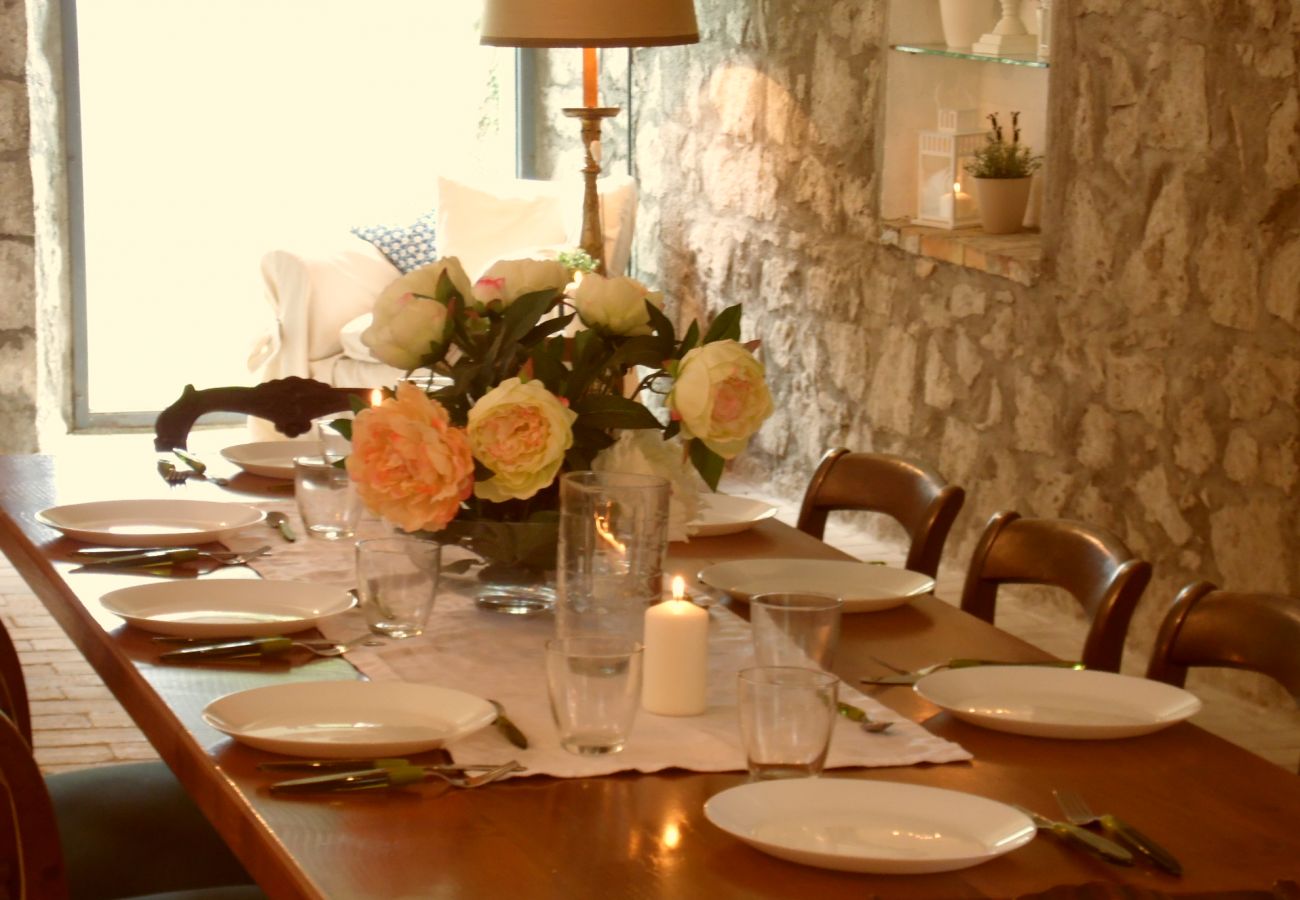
pixel 943 196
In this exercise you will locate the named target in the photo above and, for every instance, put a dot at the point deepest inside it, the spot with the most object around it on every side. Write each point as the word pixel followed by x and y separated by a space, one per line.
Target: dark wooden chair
pixel 289 403
pixel 917 497
pixel 1206 626
pixel 1092 564
pixel 31 865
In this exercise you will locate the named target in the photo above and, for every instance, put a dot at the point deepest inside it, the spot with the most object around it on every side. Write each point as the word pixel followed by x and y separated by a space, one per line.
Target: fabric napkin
pixel 501 657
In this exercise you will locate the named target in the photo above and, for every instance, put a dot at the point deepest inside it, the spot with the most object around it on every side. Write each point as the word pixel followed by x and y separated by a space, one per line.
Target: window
pixel 203 135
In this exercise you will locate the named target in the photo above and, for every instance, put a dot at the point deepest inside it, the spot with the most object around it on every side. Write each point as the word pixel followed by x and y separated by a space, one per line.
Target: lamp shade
pixel 588 23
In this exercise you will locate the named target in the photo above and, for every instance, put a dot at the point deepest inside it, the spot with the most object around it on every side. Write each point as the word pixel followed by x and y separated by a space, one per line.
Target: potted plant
pixel 1003 171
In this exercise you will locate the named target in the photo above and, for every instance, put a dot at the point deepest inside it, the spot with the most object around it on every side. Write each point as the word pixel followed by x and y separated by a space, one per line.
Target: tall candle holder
pixel 593 236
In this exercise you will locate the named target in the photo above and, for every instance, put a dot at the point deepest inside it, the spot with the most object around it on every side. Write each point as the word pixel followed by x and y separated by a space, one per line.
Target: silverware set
pixel 902 676
pixel 195 468
pixel 153 557
pixel 202 650
pixel 1117 845
pixel 375 774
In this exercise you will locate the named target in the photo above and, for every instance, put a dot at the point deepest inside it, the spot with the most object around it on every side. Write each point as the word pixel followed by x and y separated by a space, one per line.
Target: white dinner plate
pixel 227 607
pixel 883 827
pixel 273 459
pixel 158 523
pixel 344 719
pixel 863 587
pixel 1055 702
pixel 724 514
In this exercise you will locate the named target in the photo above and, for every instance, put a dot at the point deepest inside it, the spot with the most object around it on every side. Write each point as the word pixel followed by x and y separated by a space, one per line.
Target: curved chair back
pixel 1092 564
pixel 1209 627
pixel 289 403
pixel 13 688
pixel 28 826
pixel 917 497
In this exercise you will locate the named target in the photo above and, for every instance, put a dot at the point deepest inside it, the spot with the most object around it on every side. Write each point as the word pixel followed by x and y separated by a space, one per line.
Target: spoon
pixel 281 521
pixel 869 725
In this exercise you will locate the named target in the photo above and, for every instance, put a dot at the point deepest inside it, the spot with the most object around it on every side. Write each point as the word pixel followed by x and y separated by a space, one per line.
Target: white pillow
pixel 482 223
pixel 350 338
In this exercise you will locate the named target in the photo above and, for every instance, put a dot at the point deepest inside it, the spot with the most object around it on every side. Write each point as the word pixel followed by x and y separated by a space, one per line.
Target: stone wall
pixel 1147 382
pixel 17 240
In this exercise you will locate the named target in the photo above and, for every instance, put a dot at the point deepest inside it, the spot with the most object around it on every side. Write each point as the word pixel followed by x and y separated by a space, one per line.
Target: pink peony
pixel 408 462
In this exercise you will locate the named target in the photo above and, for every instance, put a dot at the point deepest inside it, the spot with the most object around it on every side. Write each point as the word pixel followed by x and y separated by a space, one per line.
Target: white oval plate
pixel 724 514
pixel 863 587
pixel 158 523
pixel 883 827
pixel 343 719
pixel 227 607
pixel 272 459
pixel 1059 703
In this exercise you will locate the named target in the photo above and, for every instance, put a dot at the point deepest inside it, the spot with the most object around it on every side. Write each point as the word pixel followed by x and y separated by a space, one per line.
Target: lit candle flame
pixel 376 397
pixel 606 533
pixel 679 587
pixel 956 187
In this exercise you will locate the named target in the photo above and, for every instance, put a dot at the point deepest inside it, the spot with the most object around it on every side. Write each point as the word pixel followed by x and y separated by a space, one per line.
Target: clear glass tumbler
pixel 595 689
pixel 786 718
pixel 327 500
pixel 795 629
pixel 397 581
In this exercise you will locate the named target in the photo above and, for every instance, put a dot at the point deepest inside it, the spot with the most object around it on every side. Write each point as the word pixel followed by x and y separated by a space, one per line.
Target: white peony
pixel 406 327
pixel 720 395
pixel 615 305
pixel 506 281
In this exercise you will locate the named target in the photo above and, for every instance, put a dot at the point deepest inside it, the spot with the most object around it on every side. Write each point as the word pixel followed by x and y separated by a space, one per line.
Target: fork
pixel 476 780
pixel 198 468
pixel 1077 811
pixel 170 474
pixel 164 556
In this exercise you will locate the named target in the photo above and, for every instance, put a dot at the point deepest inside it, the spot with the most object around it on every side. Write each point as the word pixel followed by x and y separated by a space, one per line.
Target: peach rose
pixel 720 395
pixel 409 464
pixel 520 431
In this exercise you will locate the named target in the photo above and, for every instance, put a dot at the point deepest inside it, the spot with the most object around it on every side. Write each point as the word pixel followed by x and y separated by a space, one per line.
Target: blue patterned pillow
pixel 406 246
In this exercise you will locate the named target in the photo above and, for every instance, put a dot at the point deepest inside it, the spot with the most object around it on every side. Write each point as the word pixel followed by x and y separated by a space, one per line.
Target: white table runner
pixel 501 656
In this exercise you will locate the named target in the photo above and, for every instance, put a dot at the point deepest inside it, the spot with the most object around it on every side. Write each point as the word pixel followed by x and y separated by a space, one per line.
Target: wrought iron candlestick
pixel 593 235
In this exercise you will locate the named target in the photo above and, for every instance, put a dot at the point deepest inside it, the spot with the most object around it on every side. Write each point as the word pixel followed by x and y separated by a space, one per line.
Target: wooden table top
pixel 1231 817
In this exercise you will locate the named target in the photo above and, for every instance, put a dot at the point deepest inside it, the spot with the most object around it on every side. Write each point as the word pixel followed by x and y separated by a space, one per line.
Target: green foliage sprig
pixel 999 158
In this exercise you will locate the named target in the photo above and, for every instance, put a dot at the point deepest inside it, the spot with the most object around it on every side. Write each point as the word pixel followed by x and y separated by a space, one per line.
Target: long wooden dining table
pixel 1232 818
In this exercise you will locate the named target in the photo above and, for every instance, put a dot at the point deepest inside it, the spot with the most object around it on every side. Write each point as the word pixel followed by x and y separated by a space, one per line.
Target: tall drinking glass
pixel 613 538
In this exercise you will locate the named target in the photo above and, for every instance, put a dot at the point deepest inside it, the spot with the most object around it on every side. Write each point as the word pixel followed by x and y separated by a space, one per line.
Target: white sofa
pixel 321 293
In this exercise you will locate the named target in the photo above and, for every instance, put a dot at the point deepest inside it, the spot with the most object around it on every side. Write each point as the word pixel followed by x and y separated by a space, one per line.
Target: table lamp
pixel 589 24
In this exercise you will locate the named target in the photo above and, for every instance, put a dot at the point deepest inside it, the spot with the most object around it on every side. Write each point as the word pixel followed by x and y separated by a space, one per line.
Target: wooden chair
pixel 1209 627
pixel 32 859
pixel 917 497
pixel 1093 565
pixel 288 403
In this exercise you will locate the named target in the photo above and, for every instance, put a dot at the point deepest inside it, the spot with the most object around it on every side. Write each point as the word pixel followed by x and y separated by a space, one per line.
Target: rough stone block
pixel 17 285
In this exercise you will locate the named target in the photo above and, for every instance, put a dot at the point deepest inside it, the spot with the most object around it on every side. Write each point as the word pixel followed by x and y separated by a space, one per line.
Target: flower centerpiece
pixel 1002 171
pixel 529 376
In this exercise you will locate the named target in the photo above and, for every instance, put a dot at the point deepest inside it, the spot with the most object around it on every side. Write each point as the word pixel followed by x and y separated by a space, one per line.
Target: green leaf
pixel 644 350
pixel 524 313
pixel 726 327
pixel 689 342
pixel 707 463
pixel 612 411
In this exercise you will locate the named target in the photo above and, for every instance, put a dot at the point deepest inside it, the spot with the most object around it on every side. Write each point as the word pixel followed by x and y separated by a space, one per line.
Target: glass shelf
pixel 1031 62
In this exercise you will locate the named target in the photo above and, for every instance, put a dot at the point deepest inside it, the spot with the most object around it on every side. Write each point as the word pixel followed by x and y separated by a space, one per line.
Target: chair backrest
pixel 13 688
pixel 917 497
pixel 28 829
pixel 289 403
pixel 1209 627
pixel 1092 564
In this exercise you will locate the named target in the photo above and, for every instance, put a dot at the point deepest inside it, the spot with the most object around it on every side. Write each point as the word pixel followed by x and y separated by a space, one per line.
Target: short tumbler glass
pixel 397 580
pixel 595 688
pixel 327 500
pixel 795 629
pixel 786 718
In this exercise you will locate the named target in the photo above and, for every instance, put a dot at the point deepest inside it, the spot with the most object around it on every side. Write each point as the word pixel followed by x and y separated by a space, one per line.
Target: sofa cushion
pixel 344 281
pixel 480 223
pixel 407 245
pixel 350 338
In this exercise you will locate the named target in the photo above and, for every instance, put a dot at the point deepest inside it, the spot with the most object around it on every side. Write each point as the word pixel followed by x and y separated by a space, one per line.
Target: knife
pixel 161 557
pixel 331 765
pixel 914 677
pixel 1131 837
pixel 1082 837
pixel 264 646
pixel 509 728
pixel 360 780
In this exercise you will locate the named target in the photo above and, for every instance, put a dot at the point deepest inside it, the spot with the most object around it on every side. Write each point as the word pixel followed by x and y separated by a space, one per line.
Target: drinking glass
pixel 397 580
pixel 333 445
pixel 786 717
pixel 595 689
pixel 327 500
pixel 795 629
pixel 613 537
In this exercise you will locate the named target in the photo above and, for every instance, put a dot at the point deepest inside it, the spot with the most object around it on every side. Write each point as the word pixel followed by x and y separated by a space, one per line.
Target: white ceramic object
pixel 344 719
pixel 227 607
pixel 881 827
pixel 724 514
pixel 863 587
pixel 1058 703
pixel 272 459
pixel 964 21
pixel 154 523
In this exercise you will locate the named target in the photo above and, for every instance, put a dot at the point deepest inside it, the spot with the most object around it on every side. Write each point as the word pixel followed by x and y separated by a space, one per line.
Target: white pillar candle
pixel 674 677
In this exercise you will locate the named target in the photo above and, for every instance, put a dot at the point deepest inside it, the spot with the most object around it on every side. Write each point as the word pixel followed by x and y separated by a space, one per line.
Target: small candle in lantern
pixel 965 203
pixel 676 660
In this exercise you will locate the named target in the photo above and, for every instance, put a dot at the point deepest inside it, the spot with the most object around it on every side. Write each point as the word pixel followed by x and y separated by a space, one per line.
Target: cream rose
pixel 520 431
pixel 408 463
pixel 406 327
pixel 643 451
pixel 720 396
pixel 615 305
pixel 506 281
